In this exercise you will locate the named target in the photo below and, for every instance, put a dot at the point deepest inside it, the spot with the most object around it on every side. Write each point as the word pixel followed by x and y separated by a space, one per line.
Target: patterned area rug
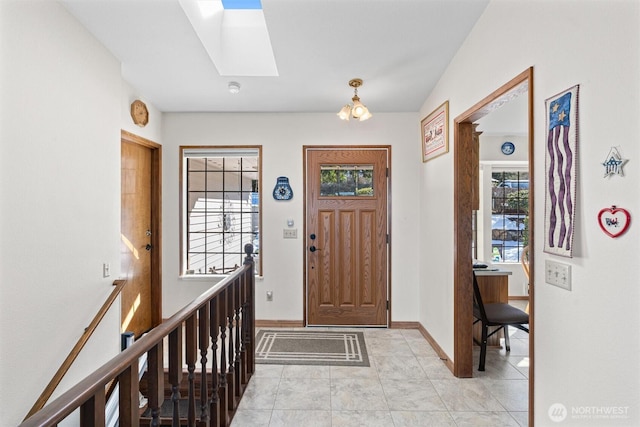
pixel 278 347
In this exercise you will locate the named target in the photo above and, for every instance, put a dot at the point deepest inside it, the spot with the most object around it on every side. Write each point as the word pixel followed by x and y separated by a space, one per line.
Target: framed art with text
pixel 434 130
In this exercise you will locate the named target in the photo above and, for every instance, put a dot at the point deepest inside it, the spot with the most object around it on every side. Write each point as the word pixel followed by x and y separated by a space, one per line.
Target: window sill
pixel 203 277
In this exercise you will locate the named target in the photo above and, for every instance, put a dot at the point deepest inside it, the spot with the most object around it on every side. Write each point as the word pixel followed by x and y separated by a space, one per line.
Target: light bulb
pixel 345 112
pixel 365 115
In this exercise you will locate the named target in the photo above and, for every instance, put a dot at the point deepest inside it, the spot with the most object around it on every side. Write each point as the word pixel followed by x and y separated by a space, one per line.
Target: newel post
pixel 248 249
pixel 251 307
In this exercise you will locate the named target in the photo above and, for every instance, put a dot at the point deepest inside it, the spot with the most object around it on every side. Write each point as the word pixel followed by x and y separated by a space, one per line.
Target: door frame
pixel 306 148
pixel 462 276
pixel 156 220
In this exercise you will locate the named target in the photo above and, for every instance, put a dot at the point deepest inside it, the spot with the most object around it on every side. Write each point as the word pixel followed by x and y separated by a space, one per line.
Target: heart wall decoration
pixel 614 221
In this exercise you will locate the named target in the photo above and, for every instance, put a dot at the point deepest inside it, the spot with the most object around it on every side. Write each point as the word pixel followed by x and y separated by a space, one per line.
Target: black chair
pixel 499 315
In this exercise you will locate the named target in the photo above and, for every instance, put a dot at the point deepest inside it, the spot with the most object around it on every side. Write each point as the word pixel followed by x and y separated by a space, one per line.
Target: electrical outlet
pixel 290 233
pixel 557 274
pixel 269 295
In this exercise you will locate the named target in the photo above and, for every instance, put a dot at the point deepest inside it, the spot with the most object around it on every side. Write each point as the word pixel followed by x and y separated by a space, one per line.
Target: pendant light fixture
pixel 357 110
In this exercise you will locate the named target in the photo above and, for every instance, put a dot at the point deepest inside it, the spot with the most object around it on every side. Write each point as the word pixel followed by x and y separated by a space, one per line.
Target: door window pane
pixel 346 180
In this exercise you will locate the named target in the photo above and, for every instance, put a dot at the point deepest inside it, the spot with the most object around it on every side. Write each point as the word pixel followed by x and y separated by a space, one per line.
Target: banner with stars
pixel 560 167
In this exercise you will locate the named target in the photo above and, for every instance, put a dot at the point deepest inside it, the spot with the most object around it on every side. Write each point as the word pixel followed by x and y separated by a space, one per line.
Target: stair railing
pixel 75 351
pixel 218 326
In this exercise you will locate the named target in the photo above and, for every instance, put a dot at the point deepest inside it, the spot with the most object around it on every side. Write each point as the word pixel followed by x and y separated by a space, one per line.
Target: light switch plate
pixel 557 274
pixel 290 233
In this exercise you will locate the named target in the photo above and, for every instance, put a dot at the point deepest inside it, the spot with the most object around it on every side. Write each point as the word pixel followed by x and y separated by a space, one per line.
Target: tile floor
pixel 406 385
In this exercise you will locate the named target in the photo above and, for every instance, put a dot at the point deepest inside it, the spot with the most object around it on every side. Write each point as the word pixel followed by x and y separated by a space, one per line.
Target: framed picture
pixel 434 130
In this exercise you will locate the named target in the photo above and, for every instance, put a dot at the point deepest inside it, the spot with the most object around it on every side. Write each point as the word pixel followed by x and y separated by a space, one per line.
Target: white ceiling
pixel 400 48
pixel 510 119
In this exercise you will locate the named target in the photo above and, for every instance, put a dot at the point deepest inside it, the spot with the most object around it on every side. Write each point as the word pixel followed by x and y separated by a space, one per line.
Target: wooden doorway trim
pixel 156 220
pixel 462 277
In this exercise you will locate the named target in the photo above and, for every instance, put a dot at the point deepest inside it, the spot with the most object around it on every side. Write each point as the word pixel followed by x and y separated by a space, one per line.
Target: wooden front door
pixel 140 301
pixel 346 236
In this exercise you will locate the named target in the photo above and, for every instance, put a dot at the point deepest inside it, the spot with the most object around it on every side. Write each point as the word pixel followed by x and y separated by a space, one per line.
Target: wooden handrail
pixel 223 314
pixel 75 351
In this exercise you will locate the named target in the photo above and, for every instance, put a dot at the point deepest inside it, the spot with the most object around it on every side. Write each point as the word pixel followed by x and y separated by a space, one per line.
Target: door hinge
pixel 387 239
pixel 387 172
pixel 387 304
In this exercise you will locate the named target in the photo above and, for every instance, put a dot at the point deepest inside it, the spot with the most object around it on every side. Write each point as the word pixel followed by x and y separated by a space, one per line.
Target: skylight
pixel 241 4
pixel 234 34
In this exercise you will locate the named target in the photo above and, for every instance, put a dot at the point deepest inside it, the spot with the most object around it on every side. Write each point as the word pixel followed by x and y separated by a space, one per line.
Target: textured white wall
pixel 60 192
pixel 282 137
pixel 153 130
pixel 587 350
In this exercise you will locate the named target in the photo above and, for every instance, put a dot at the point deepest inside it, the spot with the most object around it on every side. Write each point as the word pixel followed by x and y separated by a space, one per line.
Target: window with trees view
pixel 220 208
pixel 509 215
pixel 346 180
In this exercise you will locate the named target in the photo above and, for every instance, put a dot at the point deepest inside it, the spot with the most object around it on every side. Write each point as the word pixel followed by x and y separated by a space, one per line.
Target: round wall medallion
pixel 139 113
pixel 508 148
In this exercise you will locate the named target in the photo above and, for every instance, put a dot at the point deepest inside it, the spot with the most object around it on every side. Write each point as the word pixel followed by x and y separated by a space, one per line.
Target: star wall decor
pixel 613 163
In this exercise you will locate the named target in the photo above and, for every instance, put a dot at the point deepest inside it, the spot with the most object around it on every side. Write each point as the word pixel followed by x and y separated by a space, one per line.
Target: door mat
pixel 311 348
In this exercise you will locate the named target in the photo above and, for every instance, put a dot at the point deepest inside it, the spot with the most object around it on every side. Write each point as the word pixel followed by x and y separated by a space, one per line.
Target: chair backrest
pixel 477 299
pixel 524 260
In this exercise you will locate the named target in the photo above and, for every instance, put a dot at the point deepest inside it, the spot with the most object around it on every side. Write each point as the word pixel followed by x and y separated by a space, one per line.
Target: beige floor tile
pixel 361 419
pixel 484 419
pixel 422 419
pixel 303 393
pixel 521 417
pixel 260 394
pixel 306 371
pixel 412 395
pixel 406 385
pixel 385 346
pixel 513 395
pixel 466 395
pixel 399 367
pixel 298 418
pixel 251 418
pixel 435 368
pixel 349 394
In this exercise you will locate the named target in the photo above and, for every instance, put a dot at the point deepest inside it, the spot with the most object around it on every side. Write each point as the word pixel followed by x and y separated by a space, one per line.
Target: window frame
pixel 211 151
pixel 502 169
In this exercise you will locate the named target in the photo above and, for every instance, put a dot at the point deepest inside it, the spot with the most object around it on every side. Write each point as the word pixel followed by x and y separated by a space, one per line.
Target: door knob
pixel 312 248
pixel 148 247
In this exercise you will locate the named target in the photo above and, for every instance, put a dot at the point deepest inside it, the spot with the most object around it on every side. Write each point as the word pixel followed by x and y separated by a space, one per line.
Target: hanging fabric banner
pixel 560 167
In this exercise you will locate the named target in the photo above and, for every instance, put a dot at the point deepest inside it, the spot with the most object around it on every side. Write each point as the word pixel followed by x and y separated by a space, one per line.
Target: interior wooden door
pixel 137 314
pixel 346 236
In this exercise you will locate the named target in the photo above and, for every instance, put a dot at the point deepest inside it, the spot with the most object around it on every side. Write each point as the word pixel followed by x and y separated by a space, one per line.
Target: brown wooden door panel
pixel 347 274
pixel 135 226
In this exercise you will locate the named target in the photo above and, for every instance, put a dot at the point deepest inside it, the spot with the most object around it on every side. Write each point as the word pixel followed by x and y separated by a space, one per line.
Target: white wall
pixel 62 110
pixel 282 137
pixel 153 130
pixel 586 345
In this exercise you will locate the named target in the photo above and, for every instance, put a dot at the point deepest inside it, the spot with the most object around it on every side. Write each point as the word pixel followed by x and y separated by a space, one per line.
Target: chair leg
pixel 506 338
pixel 483 348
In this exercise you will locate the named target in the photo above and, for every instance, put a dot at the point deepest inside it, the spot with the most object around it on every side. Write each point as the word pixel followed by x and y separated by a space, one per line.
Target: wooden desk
pixel 494 287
